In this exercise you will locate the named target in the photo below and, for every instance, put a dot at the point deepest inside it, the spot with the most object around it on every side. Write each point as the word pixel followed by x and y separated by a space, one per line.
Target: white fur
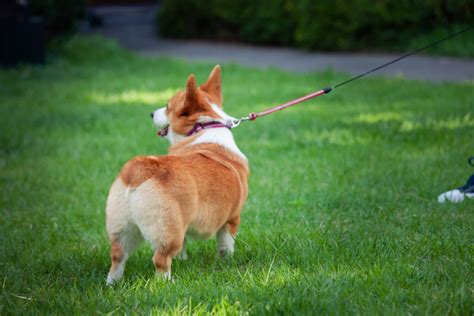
pixel 220 136
pixel 183 255
pixel 159 118
pixel 145 201
pixel 454 196
pixel 125 213
pixel 225 242
pixel 165 275
pixel 226 119
pixel 116 275
pixel 174 137
pixel 119 224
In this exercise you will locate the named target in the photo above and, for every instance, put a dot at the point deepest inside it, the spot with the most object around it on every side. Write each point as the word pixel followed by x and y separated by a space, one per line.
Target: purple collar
pixel 202 126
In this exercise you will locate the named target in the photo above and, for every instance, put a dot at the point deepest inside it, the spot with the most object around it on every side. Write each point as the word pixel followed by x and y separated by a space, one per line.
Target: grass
pixel 341 218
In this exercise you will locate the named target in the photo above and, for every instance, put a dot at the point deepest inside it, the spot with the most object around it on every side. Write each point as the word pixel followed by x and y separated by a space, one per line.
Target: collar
pixel 202 126
pixel 197 128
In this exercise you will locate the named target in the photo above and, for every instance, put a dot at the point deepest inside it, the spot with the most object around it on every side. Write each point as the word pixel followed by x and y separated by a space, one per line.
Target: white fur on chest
pixel 220 136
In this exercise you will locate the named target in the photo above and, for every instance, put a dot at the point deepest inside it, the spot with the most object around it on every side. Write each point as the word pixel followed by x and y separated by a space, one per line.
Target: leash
pixel 254 116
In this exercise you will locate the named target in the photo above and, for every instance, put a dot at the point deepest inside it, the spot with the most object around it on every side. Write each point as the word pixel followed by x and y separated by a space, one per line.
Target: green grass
pixel 341 218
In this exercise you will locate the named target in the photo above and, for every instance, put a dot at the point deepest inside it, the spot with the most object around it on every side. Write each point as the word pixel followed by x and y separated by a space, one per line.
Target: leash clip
pixel 235 123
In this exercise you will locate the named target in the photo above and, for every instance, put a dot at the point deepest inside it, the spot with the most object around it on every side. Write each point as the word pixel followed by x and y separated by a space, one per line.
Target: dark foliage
pixel 322 24
pixel 60 15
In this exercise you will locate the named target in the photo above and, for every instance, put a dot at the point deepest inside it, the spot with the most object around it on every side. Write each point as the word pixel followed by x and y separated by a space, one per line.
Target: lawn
pixel 342 214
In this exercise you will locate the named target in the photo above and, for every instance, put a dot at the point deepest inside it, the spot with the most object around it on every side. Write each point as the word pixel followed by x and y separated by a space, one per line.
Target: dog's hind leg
pixel 166 244
pixel 166 247
pixel 122 244
pixel 124 236
pixel 158 217
pixel 226 237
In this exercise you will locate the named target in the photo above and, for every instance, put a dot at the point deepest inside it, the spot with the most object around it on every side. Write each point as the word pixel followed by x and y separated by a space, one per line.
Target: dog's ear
pixel 191 102
pixel 213 85
pixel 191 90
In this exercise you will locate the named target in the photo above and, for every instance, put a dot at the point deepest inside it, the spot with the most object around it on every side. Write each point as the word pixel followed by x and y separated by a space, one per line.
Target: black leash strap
pixel 254 116
pixel 403 57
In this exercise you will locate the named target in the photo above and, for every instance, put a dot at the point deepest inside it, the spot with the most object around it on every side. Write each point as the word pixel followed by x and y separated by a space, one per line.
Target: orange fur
pixel 116 254
pixel 185 107
pixel 197 189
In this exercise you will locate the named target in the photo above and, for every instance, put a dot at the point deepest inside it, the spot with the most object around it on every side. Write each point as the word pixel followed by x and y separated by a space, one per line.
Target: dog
pixel 197 190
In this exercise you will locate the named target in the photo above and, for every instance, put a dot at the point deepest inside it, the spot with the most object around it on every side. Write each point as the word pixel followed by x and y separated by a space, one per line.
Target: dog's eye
pixel 185 114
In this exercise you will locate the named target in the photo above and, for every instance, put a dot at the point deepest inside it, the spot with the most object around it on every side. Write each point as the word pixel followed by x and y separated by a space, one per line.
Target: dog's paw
pixel 182 256
pixel 454 196
pixel 225 252
pixel 165 276
pixel 115 274
pixel 112 279
pixel 225 243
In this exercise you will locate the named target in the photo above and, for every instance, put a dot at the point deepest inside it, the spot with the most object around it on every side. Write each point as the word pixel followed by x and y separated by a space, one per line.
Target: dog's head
pixel 190 106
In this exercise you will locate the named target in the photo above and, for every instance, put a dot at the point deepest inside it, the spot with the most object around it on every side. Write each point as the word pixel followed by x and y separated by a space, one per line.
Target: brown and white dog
pixel 197 190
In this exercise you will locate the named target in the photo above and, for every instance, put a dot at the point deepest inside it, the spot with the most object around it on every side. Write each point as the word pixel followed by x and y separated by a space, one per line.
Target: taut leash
pixel 254 116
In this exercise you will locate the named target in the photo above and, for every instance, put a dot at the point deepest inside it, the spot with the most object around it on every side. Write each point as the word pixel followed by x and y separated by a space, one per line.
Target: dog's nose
pixel 151 114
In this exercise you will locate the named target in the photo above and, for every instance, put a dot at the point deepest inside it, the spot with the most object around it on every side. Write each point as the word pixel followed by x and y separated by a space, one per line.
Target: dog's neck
pixel 219 136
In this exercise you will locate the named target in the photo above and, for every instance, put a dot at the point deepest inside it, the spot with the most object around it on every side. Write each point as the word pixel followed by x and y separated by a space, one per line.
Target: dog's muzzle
pixel 163 132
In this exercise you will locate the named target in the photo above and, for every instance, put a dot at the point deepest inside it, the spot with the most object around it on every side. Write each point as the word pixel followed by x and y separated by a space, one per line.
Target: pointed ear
pixel 191 102
pixel 213 84
pixel 191 90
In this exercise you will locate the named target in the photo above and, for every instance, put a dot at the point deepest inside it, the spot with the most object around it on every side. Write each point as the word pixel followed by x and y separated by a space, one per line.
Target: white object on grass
pixel 454 196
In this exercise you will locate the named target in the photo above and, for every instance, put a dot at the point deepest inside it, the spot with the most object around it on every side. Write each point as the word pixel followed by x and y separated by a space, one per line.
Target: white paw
pixel 225 243
pixel 226 248
pixel 112 278
pixel 454 196
pixel 469 195
pixel 117 274
pixel 166 276
pixel 110 281
pixel 226 252
pixel 182 255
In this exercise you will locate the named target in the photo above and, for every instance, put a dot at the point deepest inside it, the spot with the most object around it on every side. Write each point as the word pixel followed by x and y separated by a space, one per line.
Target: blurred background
pixel 28 27
pixel 342 215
